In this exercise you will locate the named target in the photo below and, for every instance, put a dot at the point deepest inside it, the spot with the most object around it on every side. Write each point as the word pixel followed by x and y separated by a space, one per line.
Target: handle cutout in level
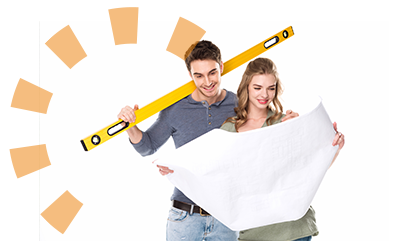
pixel 117 128
pixel 271 42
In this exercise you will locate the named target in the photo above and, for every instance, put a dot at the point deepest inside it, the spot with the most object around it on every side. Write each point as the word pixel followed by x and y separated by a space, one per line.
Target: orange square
pixel 62 212
pixel 67 47
pixel 185 34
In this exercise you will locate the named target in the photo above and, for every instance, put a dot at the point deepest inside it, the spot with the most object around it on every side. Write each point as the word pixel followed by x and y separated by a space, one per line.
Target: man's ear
pixel 190 74
pixel 221 67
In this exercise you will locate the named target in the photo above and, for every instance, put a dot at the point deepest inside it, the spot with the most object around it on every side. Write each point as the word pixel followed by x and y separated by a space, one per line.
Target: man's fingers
pixel 164 170
pixel 128 114
pixel 132 117
pixel 124 118
pixel 162 167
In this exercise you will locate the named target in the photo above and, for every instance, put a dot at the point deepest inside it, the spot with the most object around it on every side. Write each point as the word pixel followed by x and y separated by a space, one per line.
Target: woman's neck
pixel 256 113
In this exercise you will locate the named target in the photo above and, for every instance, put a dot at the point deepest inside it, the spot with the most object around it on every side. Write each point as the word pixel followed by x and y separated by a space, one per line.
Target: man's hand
pixel 290 115
pixel 127 114
pixel 164 170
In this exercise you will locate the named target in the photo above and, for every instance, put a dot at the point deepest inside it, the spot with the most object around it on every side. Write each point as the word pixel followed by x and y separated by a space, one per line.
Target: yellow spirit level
pixel 116 128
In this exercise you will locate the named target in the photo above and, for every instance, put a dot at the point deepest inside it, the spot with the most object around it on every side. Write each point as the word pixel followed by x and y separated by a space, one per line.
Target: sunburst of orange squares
pixel 67 48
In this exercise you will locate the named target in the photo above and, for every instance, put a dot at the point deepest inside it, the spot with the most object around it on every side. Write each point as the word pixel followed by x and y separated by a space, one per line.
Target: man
pixel 202 111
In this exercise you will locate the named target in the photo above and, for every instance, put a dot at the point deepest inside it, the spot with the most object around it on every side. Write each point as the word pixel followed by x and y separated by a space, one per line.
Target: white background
pixel 345 52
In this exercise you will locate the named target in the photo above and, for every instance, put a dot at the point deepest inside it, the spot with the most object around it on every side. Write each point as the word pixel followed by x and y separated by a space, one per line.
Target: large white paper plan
pixel 256 178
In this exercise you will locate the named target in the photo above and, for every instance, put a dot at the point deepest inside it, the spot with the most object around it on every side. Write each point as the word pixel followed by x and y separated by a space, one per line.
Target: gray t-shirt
pixel 184 121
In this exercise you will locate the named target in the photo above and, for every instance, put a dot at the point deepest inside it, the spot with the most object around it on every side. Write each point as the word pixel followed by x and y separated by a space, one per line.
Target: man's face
pixel 207 77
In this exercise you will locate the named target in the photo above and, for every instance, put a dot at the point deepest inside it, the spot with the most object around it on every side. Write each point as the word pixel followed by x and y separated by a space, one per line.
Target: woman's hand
pixel 290 115
pixel 339 138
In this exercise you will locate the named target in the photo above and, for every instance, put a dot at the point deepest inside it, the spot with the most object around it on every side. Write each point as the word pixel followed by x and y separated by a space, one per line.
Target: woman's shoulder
pixel 229 125
pixel 272 113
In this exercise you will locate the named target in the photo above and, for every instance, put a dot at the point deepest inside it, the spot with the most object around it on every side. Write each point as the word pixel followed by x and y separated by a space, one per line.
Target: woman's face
pixel 261 91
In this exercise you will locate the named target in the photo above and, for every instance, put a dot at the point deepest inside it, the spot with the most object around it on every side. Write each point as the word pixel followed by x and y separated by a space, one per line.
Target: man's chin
pixel 212 93
pixel 209 94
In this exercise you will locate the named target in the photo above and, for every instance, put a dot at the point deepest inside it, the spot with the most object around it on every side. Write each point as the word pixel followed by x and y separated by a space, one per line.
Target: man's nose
pixel 207 81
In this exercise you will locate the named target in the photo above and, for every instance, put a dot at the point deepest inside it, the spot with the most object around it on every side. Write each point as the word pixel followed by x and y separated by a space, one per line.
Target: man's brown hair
pixel 202 50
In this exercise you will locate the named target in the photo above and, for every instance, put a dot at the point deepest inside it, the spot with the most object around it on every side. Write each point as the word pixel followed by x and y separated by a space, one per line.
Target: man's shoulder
pixel 230 94
pixel 177 106
pixel 231 98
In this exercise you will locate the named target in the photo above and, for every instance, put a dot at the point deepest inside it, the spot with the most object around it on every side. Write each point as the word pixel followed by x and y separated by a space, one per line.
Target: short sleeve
pixel 228 126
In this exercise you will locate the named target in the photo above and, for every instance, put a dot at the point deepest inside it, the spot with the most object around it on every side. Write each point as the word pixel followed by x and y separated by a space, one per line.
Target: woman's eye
pixel 272 89
pixel 257 88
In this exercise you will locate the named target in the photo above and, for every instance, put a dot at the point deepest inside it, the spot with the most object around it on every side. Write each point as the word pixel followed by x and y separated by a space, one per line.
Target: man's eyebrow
pixel 196 73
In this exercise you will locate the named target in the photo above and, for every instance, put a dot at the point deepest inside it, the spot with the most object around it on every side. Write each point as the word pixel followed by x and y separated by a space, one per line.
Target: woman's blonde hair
pixel 257 67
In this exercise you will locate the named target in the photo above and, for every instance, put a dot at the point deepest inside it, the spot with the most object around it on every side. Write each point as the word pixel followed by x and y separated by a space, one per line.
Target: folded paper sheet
pixel 256 178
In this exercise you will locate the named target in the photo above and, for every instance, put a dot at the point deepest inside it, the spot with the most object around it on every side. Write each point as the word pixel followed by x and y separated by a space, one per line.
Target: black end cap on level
pixel 84 146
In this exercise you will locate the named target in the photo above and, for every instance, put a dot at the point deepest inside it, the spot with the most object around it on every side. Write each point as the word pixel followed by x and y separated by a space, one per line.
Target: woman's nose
pixel 264 95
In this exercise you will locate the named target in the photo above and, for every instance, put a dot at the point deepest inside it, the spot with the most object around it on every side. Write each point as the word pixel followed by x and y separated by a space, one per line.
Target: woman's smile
pixel 262 101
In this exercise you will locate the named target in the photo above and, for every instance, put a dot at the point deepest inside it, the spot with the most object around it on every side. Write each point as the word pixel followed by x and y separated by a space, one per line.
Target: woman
pixel 259 106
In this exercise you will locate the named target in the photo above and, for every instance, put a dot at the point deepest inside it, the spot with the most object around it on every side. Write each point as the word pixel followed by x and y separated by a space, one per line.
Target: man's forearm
pixel 135 134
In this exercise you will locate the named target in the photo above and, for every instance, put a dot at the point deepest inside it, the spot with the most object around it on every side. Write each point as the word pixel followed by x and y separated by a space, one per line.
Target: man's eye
pixel 198 76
